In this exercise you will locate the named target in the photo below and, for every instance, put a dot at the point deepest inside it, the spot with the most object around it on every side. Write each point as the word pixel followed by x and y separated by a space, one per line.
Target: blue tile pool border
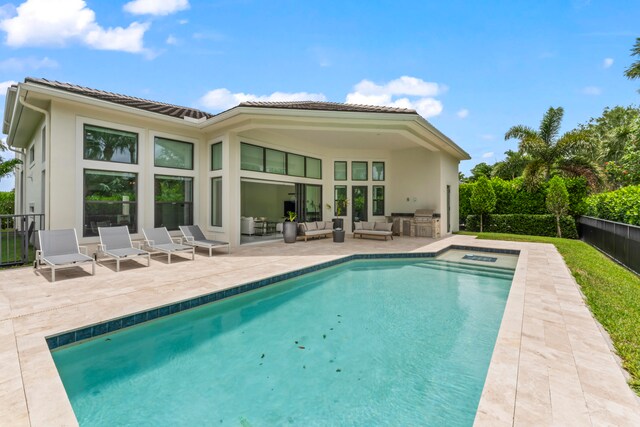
pixel 88 332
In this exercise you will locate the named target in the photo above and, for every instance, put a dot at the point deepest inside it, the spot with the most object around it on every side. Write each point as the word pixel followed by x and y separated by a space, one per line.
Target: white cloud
pixel 183 21
pixel 463 114
pixel 156 7
pixel 607 63
pixel 223 99
pixel 56 23
pixel 487 155
pixel 418 95
pixel 5 85
pixel 172 40
pixel 592 90
pixel 28 63
pixel 488 137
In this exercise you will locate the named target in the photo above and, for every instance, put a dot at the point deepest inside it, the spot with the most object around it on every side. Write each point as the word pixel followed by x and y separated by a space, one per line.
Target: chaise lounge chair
pixel 59 249
pixel 193 236
pixel 159 240
pixel 116 243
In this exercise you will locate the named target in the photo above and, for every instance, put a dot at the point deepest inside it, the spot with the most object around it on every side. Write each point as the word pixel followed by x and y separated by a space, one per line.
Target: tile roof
pixel 130 101
pixel 328 106
pixel 182 112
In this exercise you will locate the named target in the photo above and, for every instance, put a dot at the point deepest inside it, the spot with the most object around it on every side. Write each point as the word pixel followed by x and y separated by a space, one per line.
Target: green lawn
pixel 612 292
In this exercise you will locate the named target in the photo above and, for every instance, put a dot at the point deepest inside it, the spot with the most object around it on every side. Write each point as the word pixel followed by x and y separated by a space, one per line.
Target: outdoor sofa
pixel 373 229
pixel 316 229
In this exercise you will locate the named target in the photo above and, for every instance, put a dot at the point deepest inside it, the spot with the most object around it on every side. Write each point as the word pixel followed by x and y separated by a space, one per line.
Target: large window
pixel 173 201
pixel 251 158
pixel 314 168
pixel 359 171
pixel 216 202
pixel 216 156
pixel 340 171
pixel 340 200
pixel 377 171
pixel 260 159
pixel 378 200
pixel 109 199
pixel 110 145
pixel 173 154
pixel 276 161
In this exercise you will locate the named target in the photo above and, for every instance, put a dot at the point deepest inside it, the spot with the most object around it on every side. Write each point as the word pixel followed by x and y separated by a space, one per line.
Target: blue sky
pixel 472 68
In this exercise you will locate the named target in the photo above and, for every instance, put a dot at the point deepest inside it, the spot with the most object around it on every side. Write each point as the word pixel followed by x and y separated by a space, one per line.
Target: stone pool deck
pixel 552 364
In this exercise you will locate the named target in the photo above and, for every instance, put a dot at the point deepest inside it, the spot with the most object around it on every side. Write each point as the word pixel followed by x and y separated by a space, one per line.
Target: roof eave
pixel 9 106
pixel 75 97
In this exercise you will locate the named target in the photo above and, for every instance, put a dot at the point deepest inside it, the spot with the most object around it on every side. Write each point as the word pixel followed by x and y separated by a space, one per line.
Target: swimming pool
pixel 401 342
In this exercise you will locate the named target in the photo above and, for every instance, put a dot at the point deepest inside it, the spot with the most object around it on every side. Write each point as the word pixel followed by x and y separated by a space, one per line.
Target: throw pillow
pixel 328 225
pixel 359 225
pixel 380 226
pixel 320 225
pixel 311 226
pixel 367 226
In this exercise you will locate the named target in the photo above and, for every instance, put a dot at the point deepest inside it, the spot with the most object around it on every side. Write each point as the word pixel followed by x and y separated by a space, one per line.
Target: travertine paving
pixel 551 365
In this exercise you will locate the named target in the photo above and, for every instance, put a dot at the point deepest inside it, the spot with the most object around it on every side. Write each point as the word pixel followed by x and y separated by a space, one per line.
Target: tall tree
pixel 481 169
pixel 512 166
pixel 483 198
pixel 633 72
pixel 549 152
pixel 557 200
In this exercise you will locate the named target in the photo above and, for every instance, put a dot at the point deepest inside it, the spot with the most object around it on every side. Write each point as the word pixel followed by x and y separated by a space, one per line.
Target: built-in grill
pixel 422 223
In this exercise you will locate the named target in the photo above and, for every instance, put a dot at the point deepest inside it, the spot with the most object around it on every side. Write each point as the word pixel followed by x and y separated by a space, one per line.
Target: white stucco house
pixel 93 158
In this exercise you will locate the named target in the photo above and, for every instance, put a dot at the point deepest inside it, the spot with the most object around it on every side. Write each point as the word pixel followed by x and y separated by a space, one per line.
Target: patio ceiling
pixel 368 139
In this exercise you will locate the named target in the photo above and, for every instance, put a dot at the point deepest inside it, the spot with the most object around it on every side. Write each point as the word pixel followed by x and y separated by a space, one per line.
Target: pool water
pixel 380 342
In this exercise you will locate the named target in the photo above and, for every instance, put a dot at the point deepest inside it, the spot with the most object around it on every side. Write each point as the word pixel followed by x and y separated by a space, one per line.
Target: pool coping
pixel 88 332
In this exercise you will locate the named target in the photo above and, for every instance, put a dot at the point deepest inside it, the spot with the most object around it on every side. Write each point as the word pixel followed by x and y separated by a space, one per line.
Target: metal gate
pixel 18 238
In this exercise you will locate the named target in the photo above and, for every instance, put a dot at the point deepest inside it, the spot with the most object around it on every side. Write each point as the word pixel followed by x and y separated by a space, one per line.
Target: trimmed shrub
pixel 532 225
pixel 622 205
pixel 464 193
pixel 483 198
pixel 557 200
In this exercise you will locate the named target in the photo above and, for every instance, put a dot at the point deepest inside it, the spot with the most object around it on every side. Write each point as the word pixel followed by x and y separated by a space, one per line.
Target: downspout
pixel 22 156
pixel 47 124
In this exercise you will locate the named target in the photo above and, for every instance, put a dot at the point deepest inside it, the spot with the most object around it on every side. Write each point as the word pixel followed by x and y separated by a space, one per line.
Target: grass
pixel 612 293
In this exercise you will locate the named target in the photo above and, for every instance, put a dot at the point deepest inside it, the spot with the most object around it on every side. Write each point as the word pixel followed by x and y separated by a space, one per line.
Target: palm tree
pixel 633 72
pixel 512 166
pixel 548 152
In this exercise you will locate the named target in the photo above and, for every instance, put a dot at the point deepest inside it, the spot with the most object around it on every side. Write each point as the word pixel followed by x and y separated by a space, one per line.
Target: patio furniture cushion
pixel 367 225
pixel 311 226
pixel 382 226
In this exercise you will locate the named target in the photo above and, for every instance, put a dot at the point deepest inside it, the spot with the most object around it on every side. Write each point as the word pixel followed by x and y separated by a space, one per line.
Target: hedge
pixel 513 198
pixel 532 225
pixel 622 205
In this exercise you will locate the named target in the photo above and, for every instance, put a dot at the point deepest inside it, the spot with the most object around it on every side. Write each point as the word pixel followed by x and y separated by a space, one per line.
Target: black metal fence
pixel 17 238
pixel 619 241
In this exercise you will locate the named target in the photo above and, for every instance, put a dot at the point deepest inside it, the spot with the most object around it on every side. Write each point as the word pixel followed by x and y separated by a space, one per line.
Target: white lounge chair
pixel 59 249
pixel 116 243
pixel 193 236
pixel 159 240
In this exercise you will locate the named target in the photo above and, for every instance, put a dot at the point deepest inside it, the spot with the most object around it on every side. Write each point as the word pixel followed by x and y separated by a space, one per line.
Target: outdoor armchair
pixel 115 242
pixel 159 240
pixel 193 236
pixel 59 249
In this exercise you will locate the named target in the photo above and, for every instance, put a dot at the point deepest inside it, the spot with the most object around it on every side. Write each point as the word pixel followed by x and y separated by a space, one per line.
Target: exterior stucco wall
pixel 414 177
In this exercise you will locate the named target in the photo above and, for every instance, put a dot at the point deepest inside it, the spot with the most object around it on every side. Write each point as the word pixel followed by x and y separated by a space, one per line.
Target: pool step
pixel 468 269
pixel 487 267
